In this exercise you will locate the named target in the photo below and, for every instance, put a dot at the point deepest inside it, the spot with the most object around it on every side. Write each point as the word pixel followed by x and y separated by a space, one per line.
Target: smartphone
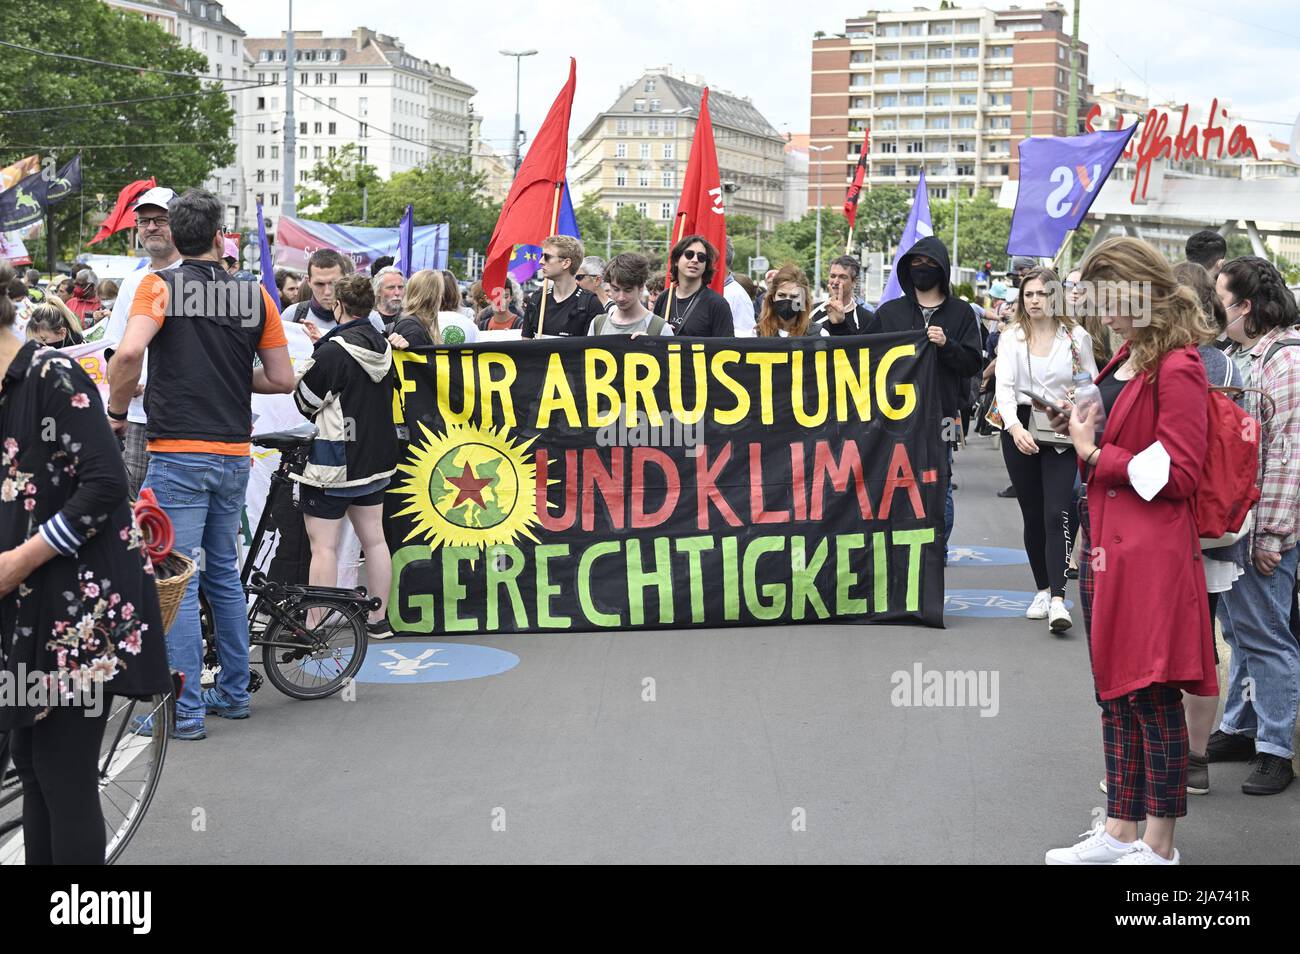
pixel 1042 401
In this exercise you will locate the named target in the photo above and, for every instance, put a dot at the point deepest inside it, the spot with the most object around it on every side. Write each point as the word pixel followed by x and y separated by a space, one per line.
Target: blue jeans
pixel 203 494
pixel 1257 624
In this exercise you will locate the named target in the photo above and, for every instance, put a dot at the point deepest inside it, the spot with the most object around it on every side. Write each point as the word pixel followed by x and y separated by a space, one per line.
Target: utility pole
pixel 518 129
pixel 1072 119
pixel 609 235
pixel 817 253
pixel 288 207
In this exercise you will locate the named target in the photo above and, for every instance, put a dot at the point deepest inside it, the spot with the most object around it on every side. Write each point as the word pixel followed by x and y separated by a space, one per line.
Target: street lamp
pixel 817 259
pixel 517 57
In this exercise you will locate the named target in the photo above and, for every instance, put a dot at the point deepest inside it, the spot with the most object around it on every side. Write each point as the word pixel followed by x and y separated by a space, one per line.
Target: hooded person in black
pixel 950 323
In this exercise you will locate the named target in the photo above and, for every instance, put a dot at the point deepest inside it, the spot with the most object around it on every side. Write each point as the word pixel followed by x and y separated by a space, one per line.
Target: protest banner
pixel 296 239
pixel 652 482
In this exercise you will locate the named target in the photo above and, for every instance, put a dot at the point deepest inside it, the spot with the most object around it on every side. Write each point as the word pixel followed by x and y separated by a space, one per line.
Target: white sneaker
pixel 1144 854
pixel 1038 608
pixel 1095 849
pixel 1060 617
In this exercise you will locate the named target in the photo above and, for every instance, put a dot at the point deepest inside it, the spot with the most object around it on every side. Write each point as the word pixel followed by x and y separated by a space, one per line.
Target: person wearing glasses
pixel 1041 352
pixel 690 305
pixel 590 277
pixel 570 310
pixel 154 229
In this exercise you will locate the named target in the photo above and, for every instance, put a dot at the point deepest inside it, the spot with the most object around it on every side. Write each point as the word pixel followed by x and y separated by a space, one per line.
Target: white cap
pixel 158 195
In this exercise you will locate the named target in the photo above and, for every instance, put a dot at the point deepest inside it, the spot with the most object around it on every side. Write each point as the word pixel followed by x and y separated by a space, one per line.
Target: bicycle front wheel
pixel 314 661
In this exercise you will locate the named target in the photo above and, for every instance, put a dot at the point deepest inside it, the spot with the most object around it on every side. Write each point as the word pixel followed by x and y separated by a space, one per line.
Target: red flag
pixel 530 210
pixel 851 200
pixel 122 216
pixel 700 210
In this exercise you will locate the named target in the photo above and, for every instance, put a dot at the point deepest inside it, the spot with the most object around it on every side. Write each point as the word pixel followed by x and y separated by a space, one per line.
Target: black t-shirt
pixel 571 317
pixel 1110 387
pixel 413 330
pixel 706 314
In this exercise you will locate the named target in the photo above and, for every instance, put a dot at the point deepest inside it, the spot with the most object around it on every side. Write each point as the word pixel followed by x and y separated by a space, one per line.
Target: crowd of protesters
pixel 1116 474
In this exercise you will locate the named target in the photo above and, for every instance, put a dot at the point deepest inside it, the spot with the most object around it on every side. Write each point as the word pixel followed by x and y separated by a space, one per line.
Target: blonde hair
pixel 1175 318
pixel 769 325
pixel 423 300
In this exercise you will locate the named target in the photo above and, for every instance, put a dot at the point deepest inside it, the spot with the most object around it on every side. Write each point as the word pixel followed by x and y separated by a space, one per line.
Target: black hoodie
pixel 961 356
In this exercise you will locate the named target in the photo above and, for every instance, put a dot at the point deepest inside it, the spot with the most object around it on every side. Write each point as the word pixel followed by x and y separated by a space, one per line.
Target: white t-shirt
pixel 742 309
pixel 456 328
pixel 116 328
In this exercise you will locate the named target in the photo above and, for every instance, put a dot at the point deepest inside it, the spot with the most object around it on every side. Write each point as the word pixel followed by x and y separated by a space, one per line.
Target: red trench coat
pixel 1150 614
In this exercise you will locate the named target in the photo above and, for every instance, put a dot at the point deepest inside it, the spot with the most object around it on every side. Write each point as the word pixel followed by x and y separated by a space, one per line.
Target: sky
pixel 1185 51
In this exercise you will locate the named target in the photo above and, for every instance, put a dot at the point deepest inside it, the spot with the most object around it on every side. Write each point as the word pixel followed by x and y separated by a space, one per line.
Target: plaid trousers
pixel 135 455
pixel 1144 734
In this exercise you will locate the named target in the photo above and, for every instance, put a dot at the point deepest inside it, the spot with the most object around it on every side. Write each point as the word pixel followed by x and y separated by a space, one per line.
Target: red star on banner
pixel 470 487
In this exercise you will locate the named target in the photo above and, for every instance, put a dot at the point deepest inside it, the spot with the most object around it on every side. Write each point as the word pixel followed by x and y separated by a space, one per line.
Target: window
pixel 941 76
pixel 858 56
pixel 968 76
pixel 914 99
pixel 916 53
pixel 888 124
pixel 261 127
pixel 261 175
pixel 966 99
pixel 940 29
pixel 889 54
pixel 302 176
pixel 638 106
pixel 261 102
pixel 655 105
pixel 886 147
pixel 912 170
pixel 666 179
pixel 620 150
pixel 938 122
pixel 968 26
pixel 941 53
pixel 302 152
pixel 645 150
pixel 887 78
pixel 916 29
pixel 915 76
pixel 638 127
pixel 302 129
pixel 649 85
pixel 888 170
pixel 620 125
pixel 886 100
pixel 316 128
pixel 891 29
pixel 858 102
pixel 915 146
pixel 334 78
pixel 363 105
pixel 365 131
pixel 261 77
pixel 261 152
pixel 620 177
pixel 320 78
pixel 275 152
pixel 643 208
pixel 643 177
pixel 275 175
pixel 364 150
pixel 668 150
pixel 265 55
pixel 275 104
pixel 966 170
pixel 332 150
pixel 968 52
pixel 915 122
pixel 665 210
pixel 333 129
pixel 859 81
pixel 218 71
pixel 362 79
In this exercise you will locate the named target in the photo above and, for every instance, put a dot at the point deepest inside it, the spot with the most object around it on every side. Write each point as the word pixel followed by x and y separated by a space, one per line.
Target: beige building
pixel 948 91
pixel 635 153
pixel 495 168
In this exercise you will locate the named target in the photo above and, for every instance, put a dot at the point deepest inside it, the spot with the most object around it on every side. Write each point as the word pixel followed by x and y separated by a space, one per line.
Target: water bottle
pixel 1085 394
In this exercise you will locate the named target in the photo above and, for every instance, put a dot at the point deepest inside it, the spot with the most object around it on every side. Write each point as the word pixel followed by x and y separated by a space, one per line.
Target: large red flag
pixel 530 210
pixel 700 210
pixel 122 216
pixel 851 200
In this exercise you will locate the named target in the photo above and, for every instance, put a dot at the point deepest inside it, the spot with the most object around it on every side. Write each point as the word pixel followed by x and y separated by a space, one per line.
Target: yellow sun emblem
pixel 469 487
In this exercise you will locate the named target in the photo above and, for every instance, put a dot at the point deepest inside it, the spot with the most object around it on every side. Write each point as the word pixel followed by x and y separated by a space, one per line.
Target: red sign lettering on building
pixel 1154 142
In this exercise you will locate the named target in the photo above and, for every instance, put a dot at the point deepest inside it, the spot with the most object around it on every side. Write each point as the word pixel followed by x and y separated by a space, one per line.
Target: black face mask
pixel 787 309
pixel 925 277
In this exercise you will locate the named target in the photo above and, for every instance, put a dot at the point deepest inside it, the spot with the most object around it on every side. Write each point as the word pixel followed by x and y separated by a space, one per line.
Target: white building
pixel 400 110
pixel 203 26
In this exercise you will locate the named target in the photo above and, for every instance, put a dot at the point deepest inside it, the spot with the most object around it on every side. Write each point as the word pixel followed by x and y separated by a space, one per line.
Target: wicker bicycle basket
pixel 172 575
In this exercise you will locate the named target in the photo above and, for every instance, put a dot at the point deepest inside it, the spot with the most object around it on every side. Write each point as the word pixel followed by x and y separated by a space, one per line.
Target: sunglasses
pixel 582 278
pixel 693 256
pixel 549 257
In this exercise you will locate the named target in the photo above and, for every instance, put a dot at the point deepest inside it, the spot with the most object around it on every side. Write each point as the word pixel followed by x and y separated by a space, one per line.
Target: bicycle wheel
pixel 129 768
pixel 314 662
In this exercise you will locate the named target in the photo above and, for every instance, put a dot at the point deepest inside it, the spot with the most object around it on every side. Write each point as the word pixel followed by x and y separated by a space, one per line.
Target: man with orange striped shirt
pixel 202 328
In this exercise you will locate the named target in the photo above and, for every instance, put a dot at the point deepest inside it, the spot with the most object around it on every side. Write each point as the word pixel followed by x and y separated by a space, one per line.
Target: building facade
pixel 203 26
pixel 399 109
pixel 947 91
pixel 635 152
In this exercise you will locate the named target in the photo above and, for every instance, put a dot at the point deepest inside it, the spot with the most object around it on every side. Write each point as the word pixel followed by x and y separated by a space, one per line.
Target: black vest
pixel 201 360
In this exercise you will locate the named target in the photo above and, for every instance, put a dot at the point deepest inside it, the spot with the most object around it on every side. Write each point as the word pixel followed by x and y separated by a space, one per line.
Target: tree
pixel 337 184
pixel 983 229
pixel 179 134
pixel 882 213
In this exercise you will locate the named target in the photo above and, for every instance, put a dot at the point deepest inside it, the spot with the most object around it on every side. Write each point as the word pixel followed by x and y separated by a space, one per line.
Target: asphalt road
pixel 773 744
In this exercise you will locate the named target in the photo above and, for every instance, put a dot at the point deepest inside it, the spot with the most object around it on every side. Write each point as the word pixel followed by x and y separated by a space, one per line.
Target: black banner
pixel 615 483
pixel 26 202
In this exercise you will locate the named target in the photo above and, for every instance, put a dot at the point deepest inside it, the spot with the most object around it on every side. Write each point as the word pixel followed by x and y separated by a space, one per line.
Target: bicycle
pixel 302 659
pixel 129 768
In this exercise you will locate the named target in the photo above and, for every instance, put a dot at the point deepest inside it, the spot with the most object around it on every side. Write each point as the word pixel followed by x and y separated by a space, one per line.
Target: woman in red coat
pixel 1142 583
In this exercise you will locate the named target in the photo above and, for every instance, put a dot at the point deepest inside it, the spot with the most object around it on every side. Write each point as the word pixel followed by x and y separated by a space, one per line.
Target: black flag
pixel 26 202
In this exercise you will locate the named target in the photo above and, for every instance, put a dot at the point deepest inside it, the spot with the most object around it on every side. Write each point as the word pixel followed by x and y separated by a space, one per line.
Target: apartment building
pixel 399 109
pixel 203 26
pixel 949 91
pixel 635 152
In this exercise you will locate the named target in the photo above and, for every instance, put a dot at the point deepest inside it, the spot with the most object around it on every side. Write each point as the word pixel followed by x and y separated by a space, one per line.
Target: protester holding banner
pixel 346 388
pixel 741 302
pixel 505 310
pixel 1259 614
pixel 627 274
pixel 570 310
pixel 455 320
pixel 202 329
pixel 1041 352
pixel 927 303
pixel 154 227
pixel 786 309
pixel 1136 510
pixel 691 306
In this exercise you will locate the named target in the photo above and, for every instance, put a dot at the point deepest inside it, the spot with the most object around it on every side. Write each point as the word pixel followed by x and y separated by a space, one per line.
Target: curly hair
pixel 769 325
pixel 1254 279
pixel 1175 318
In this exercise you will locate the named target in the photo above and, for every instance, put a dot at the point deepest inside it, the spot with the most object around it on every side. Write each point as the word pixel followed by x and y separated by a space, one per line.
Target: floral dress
pixel 90 613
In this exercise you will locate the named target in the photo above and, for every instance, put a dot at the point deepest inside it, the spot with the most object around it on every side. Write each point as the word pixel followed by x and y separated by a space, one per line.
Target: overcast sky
pixel 1187 51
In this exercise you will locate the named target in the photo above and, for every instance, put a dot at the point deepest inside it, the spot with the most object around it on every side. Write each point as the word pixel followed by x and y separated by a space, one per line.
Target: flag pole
pixel 668 269
pixel 555 219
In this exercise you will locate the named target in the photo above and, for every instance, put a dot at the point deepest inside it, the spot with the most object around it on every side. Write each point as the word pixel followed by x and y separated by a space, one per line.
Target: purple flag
pixel 918 227
pixel 405 241
pixel 264 251
pixel 1059 178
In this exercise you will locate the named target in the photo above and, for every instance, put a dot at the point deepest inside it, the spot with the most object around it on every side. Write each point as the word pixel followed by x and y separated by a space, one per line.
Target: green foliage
pixel 192 124
pixel 983 229
pixel 882 213
pixel 628 231
pixel 445 189
pixel 963 290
